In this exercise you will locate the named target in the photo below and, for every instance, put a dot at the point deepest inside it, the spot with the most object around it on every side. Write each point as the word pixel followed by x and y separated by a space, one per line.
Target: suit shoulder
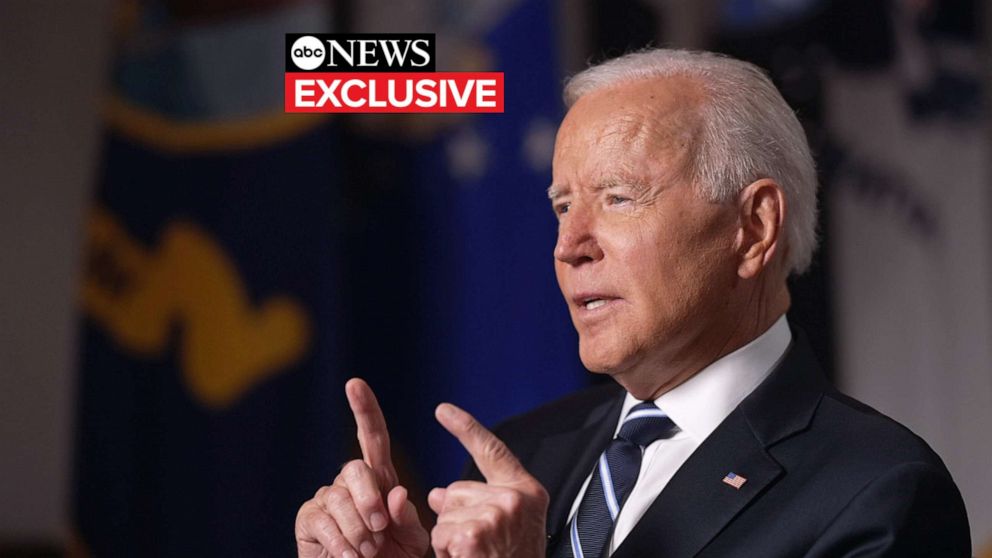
pixel 875 480
pixel 566 413
pixel 869 436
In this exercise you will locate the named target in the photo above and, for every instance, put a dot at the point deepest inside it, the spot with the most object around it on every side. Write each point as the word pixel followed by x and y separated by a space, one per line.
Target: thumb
pixel 402 512
pixel 435 499
pixel 405 528
pixel 495 461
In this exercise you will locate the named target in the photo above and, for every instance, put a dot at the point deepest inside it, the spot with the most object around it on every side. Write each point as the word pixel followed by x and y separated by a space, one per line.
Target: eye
pixel 615 199
pixel 561 208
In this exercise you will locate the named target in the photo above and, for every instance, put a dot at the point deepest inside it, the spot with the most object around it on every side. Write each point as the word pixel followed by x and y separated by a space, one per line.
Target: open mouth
pixel 594 303
pixel 591 300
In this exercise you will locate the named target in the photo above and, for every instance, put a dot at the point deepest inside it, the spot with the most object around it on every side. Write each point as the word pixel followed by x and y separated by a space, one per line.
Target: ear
pixel 762 215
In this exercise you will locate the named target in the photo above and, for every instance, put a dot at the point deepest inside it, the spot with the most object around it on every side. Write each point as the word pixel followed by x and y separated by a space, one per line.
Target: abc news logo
pixel 380 72
pixel 360 52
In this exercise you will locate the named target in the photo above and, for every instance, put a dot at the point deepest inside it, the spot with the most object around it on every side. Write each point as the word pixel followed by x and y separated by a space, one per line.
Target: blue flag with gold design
pixel 209 389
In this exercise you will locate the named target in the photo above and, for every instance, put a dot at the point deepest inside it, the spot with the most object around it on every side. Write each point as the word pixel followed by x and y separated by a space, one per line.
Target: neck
pixel 753 313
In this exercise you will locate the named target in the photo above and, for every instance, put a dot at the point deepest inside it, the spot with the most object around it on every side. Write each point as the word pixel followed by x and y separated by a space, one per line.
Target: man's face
pixel 645 264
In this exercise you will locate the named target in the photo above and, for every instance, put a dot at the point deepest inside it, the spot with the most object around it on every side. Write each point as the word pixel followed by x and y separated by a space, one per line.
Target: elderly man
pixel 685 194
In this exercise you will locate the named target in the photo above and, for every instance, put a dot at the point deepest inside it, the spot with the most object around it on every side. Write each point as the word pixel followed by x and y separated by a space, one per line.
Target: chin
pixel 597 360
pixel 621 363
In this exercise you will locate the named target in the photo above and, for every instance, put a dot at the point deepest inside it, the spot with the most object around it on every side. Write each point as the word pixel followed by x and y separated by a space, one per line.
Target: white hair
pixel 748 133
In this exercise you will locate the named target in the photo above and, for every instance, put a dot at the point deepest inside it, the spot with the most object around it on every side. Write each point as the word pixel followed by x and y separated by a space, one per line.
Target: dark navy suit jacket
pixel 826 476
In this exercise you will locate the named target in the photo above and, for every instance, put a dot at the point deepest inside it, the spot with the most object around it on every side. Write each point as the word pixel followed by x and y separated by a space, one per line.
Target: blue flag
pixel 490 330
pixel 209 405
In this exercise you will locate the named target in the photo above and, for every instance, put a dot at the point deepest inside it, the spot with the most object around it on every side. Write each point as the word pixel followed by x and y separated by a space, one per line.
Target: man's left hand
pixel 504 516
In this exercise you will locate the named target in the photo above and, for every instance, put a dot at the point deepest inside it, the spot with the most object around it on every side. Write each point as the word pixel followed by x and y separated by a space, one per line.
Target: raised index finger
pixel 373 436
pixel 495 461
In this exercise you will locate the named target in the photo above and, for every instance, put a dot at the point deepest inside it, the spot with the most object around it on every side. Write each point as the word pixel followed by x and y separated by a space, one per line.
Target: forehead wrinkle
pixel 647 139
pixel 665 135
pixel 630 130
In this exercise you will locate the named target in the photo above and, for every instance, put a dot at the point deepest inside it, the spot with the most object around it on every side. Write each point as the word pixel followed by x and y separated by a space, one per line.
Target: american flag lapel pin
pixel 734 480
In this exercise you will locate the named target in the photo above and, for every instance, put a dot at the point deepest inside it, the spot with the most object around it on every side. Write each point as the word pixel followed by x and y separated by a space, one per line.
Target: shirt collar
pixel 701 403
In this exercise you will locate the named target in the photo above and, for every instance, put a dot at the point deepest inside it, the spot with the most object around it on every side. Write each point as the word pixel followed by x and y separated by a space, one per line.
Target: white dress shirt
pixel 697 407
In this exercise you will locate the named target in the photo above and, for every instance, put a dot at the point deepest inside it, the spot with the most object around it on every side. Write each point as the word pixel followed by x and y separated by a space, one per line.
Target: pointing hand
pixel 504 516
pixel 365 512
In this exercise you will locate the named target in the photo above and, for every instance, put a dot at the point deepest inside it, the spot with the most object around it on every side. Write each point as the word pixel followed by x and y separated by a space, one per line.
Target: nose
pixel 577 243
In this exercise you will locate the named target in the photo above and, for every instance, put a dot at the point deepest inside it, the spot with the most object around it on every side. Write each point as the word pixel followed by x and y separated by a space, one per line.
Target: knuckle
pixel 491 515
pixel 469 425
pixel 353 469
pixel 495 449
pixel 512 500
pixel 468 535
pixel 315 517
pixel 541 494
pixel 470 538
pixel 310 514
pixel 303 519
pixel 337 497
pixel 365 498
pixel 458 487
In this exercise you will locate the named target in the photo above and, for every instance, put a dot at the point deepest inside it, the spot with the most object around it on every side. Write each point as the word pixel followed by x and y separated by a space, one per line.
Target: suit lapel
pixel 564 477
pixel 696 504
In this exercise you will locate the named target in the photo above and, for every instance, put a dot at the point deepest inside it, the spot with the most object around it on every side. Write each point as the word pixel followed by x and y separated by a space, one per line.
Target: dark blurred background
pixel 190 275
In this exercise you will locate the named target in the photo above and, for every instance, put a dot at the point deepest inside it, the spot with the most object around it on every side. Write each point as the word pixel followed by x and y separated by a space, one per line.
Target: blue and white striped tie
pixel 613 478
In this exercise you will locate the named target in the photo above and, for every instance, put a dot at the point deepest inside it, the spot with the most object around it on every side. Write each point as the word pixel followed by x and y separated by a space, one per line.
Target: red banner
pixel 394 92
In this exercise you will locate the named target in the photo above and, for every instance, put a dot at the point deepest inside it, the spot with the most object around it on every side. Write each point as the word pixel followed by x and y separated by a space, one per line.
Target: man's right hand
pixel 365 512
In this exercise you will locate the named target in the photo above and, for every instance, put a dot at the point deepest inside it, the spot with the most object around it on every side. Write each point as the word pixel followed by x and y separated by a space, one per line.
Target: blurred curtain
pixel 209 399
pixel 913 261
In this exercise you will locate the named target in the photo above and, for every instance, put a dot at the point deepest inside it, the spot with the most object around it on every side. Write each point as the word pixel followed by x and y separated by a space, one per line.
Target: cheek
pixel 679 271
pixel 659 261
pixel 709 273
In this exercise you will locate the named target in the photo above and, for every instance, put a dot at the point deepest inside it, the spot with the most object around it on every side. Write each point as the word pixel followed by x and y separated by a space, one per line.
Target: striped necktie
pixel 612 480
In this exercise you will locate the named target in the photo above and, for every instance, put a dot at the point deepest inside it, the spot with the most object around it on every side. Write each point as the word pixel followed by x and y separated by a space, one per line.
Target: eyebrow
pixel 555 191
pixel 620 180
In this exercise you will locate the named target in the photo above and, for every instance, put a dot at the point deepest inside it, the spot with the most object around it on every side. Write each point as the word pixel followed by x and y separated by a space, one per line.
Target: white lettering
pixel 461 98
pixel 425 90
pixel 485 88
pixel 395 54
pixel 422 52
pixel 328 92
pixel 367 52
pixel 302 90
pixel 347 98
pixel 348 55
pixel 391 94
pixel 373 101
